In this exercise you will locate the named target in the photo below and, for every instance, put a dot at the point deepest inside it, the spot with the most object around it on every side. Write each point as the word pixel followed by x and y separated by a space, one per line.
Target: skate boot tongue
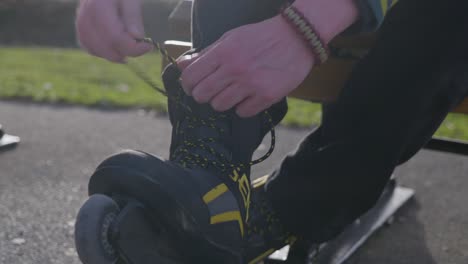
pixel 204 138
pixel 201 139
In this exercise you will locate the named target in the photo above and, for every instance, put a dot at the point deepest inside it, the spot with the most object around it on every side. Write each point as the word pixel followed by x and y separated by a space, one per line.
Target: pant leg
pixel 389 108
pixel 212 18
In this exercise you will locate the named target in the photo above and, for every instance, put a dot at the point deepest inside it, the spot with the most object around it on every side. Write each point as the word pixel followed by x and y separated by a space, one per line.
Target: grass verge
pixel 72 77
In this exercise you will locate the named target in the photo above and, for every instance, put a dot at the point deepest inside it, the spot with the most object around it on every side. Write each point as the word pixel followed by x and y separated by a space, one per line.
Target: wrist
pixel 291 35
pixel 307 31
pixel 329 17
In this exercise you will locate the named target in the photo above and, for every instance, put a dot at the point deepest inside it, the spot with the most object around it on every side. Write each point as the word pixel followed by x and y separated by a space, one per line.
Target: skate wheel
pixel 92 228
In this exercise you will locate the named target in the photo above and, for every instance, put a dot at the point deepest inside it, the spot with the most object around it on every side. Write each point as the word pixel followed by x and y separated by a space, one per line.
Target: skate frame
pixel 341 248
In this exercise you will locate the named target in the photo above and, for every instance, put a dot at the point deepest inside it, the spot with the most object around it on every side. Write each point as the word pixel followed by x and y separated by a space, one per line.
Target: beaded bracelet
pixel 303 26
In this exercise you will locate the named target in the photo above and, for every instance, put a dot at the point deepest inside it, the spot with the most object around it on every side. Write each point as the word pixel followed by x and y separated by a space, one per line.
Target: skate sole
pixel 140 242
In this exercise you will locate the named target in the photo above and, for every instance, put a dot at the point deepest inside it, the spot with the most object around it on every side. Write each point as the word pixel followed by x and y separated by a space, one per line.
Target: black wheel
pixel 93 230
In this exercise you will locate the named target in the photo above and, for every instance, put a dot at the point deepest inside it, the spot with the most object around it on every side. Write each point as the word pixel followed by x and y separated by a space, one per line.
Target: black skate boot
pixel 201 196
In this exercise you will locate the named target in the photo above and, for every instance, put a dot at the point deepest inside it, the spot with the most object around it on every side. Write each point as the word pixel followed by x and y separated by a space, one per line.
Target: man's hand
pixel 254 66
pixel 108 28
pixel 249 68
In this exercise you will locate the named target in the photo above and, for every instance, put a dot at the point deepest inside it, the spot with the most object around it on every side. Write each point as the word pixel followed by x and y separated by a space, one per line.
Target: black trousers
pixel 396 98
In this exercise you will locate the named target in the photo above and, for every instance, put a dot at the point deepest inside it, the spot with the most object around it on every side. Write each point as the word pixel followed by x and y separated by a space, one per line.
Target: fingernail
pixel 183 58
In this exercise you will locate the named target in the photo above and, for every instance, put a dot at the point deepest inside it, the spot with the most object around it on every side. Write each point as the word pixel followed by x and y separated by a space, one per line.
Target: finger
pixel 133 18
pixel 114 33
pixel 251 106
pixel 199 69
pixel 211 86
pixel 90 40
pixel 133 21
pixel 228 98
pixel 83 25
pixel 101 49
pixel 186 60
pixel 128 46
pixel 82 34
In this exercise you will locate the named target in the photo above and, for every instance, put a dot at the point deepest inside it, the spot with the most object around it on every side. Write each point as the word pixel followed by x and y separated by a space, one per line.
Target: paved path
pixel 43 183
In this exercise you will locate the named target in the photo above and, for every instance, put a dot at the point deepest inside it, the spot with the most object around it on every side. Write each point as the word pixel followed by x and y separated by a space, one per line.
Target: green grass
pixel 70 76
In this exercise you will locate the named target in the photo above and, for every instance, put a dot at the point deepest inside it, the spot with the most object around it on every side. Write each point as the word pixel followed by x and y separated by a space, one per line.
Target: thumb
pixel 132 17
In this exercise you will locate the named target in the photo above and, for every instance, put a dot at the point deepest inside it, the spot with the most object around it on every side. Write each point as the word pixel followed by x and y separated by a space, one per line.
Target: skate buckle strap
pixel 228 216
pixel 212 195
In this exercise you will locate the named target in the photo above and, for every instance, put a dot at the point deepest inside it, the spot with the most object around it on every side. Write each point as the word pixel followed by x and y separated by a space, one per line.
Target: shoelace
pixel 210 121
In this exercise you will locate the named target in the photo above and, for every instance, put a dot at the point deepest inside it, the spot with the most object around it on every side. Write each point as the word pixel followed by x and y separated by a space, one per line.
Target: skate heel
pixel 106 234
pixel 141 240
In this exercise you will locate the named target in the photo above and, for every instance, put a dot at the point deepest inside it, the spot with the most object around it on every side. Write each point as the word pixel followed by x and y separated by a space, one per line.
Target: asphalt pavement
pixel 43 183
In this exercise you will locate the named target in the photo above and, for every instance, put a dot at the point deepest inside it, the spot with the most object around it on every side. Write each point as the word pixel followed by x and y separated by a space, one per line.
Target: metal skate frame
pixel 341 248
pixel 323 85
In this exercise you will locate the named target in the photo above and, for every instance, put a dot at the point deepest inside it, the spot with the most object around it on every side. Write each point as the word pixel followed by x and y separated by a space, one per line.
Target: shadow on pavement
pixel 402 242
